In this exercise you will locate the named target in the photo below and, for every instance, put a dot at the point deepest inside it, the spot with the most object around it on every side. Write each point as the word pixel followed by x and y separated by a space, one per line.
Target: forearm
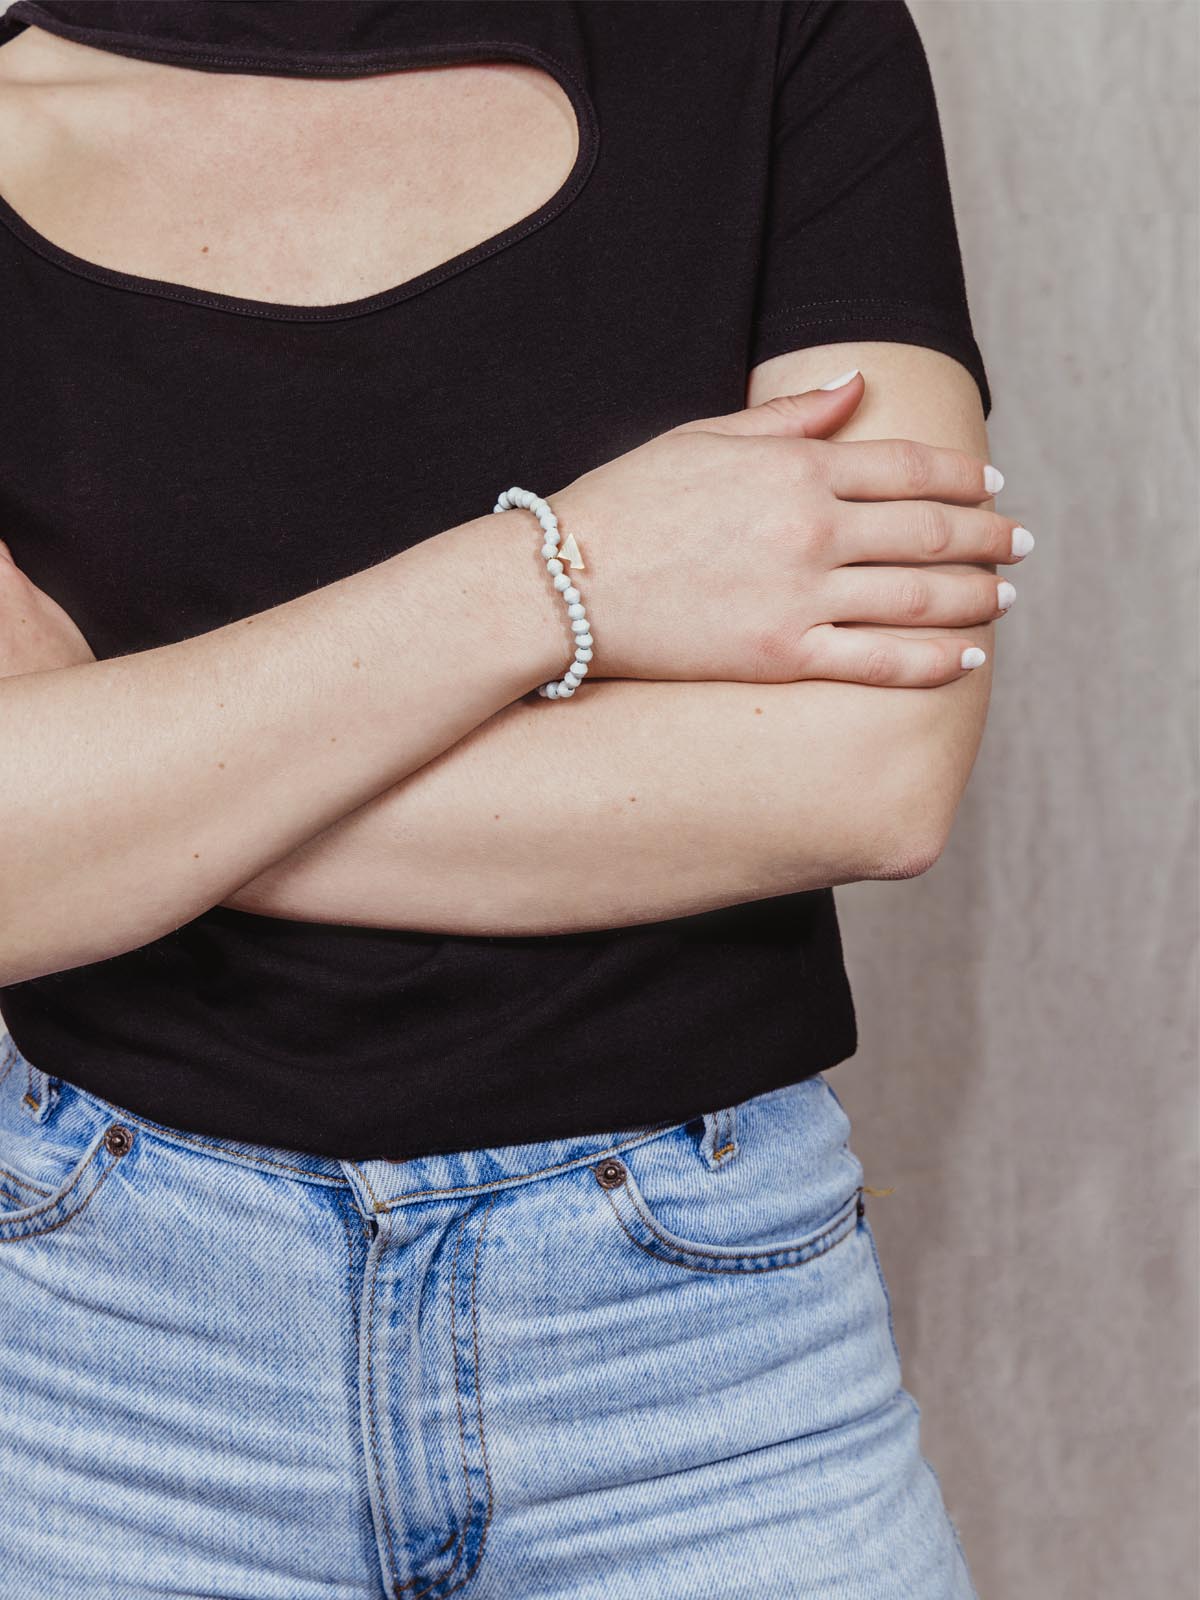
pixel 739 791
pixel 639 802
pixel 138 791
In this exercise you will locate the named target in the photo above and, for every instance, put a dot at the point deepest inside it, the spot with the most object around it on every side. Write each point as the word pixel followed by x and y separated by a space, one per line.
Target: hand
pixel 731 547
pixel 36 634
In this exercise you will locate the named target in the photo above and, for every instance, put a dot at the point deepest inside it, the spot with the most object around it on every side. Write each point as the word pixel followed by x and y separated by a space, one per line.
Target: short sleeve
pixel 860 239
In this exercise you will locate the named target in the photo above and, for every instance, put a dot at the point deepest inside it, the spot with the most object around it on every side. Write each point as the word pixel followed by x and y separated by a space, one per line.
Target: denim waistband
pixel 380 1185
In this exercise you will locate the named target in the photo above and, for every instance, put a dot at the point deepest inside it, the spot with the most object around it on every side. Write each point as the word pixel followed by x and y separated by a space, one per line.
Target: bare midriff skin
pixel 301 191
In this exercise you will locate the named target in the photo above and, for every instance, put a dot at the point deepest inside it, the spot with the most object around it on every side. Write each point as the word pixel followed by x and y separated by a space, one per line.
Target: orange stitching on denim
pixel 376 1203
pixel 38 1233
pixel 523 1177
pixel 341 1216
pixel 387 1522
pixel 25 1183
pixel 731 1262
pixel 487 1470
pixel 205 1144
pixel 85 1167
pixel 462 1434
pixel 743 1255
pixel 726 1149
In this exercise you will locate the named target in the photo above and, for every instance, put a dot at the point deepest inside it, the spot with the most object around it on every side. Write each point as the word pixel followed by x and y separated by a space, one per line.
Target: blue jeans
pixel 654 1363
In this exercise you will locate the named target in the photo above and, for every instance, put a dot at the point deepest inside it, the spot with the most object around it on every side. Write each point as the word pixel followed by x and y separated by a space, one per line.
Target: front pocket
pixel 49 1211
pixel 641 1227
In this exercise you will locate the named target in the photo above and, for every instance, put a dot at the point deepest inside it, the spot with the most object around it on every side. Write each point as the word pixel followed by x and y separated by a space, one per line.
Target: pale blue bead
pixel 580 625
pixel 562 582
pixel 565 691
pixel 579 668
pixel 542 691
pixel 571 594
pixel 572 680
pixel 513 495
pixel 551 691
pixel 583 654
pixel 576 610
pixel 549 551
pixel 584 639
pixel 554 566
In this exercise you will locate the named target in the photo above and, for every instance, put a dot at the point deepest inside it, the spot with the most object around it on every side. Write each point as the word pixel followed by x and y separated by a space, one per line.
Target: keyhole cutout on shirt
pixel 292 191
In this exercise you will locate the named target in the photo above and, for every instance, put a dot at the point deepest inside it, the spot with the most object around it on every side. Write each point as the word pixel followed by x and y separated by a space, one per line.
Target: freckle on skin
pixel 356 662
pixel 203 249
pixel 220 763
pixel 758 711
pixel 195 855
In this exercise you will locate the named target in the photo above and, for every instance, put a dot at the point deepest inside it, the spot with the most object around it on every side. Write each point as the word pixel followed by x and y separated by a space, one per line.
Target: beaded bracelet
pixel 564 687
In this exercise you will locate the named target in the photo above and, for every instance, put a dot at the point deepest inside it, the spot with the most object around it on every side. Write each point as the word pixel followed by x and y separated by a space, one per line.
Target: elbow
pixel 926 781
pixel 915 841
pixel 908 862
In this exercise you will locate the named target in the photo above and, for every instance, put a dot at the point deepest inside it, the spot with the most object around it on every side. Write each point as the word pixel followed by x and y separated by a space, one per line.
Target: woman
pixel 420 1175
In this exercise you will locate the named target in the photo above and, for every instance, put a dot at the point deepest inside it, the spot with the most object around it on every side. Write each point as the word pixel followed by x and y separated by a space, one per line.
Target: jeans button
pixel 118 1140
pixel 610 1174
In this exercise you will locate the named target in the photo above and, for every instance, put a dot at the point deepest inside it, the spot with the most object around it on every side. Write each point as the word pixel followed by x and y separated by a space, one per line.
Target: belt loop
pixel 41 1092
pixel 719 1144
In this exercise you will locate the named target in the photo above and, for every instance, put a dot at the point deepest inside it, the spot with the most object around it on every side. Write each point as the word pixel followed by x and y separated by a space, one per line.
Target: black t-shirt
pixel 751 178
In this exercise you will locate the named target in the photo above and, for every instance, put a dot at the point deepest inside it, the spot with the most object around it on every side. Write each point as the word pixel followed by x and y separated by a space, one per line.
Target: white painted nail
pixel 1022 542
pixel 993 480
pixel 1005 595
pixel 840 383
pixel 974 657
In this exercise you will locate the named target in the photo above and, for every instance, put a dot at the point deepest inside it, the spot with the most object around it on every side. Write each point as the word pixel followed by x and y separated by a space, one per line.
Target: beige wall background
pixel 1027 1074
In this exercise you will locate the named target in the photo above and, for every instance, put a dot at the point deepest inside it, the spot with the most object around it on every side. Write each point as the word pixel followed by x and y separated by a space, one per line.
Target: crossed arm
pixel 641 801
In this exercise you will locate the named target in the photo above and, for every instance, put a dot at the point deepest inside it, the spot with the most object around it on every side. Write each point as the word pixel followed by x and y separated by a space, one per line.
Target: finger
pixel 928 530
pixel 809 414
pixel 905 469
pixel 857 655
pixel 909 597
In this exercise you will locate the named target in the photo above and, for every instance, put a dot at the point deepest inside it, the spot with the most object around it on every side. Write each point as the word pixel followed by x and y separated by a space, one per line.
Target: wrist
pixel 526 623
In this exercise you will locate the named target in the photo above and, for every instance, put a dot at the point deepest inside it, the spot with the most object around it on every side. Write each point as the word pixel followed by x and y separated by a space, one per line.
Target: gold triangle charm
pixel 570 552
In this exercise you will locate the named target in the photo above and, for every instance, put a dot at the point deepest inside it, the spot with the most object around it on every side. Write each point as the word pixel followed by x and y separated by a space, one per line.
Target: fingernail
pixel 1022 542
pixel 1005 595
pixel 974 657
pixel 993 480
pixel 840 383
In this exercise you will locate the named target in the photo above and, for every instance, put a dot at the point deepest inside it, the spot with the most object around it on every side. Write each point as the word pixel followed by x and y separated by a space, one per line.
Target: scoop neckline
pixel 464 54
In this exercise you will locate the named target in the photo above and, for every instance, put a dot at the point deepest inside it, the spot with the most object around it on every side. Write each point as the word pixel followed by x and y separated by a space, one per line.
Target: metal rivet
pixel 118 1140
pixel 610 1174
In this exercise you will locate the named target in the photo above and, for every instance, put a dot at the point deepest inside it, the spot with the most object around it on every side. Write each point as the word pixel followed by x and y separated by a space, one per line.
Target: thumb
pixel 812 414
